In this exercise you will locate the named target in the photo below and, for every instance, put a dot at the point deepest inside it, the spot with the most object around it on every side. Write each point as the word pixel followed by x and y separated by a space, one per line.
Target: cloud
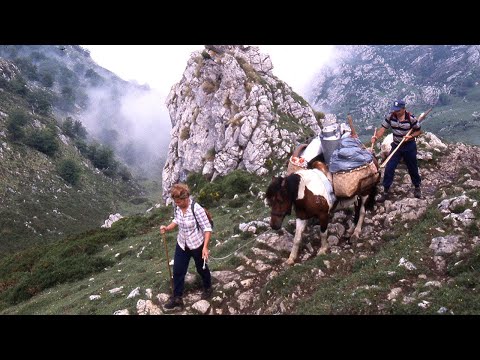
pixel 297 64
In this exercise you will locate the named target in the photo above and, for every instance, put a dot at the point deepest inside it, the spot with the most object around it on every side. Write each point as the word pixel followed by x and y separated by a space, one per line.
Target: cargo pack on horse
pixel 311 193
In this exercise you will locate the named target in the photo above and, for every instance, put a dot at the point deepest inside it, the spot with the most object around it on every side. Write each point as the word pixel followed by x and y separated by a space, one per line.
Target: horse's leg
pixel 323 233
pixel 299 227
pixel 359 217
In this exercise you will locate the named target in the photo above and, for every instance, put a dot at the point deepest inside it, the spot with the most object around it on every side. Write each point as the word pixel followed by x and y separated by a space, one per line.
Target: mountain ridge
pixel 364 80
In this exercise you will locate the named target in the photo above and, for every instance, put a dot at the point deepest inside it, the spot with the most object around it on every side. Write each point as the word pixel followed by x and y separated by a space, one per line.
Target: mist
pixel 134 122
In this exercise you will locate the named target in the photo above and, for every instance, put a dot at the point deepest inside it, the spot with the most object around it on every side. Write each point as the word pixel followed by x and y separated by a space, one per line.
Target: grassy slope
pixel 141 262
pixel 354 286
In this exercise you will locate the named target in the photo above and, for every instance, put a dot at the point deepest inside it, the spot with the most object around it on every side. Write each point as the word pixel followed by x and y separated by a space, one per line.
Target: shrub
pixel 19 86
pixel 208 87
pixel 210 154
pixel 236 203
pixel 139 200
pixel 82 147
pixel 47 78
pixel 443 99
pixel 79 130
pixel 66 101
pixel 206 55
pixel 185 133
pixel 319 115
pixel 67 127
pixel 124 173
pixel 196 181
pixel 101 156
pixel 28 68
pixel 94 78
pixel 41 101
pixel 44 141
pixel 69 171
pixel 237 182
pixel 210 194
pixel 16 121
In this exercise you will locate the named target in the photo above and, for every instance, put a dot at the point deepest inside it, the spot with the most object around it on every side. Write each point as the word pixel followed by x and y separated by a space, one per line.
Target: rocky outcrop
pixel 7 70
pixel 230 112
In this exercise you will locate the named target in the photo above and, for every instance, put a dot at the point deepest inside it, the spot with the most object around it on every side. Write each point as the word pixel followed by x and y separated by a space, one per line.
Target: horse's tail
pixel 371 198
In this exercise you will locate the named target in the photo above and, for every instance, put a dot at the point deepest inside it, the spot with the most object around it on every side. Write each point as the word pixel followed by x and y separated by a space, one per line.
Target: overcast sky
pixel 161 66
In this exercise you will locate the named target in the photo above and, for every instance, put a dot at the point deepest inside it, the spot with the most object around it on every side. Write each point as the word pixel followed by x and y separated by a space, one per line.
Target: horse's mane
pixel 292 182
pixel 273 188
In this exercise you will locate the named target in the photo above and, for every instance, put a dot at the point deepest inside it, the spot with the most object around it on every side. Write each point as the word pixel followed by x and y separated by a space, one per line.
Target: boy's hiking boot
pixel 207 293
pixel 417 193
pixel 174 302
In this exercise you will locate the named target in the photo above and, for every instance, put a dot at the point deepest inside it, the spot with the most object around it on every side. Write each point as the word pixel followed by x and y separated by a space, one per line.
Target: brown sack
pixel 349 183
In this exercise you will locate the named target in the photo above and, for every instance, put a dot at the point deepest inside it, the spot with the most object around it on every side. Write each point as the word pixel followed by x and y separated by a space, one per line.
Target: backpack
pixel 209 215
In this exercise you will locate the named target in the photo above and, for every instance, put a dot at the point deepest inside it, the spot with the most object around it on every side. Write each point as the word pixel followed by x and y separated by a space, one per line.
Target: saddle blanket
pixel 317 183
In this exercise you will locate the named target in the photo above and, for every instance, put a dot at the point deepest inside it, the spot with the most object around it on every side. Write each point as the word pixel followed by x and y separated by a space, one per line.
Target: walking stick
pixel 420 118
pixel 168 262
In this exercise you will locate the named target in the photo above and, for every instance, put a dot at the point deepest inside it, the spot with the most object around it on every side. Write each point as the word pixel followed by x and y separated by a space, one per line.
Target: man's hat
pixel 398 105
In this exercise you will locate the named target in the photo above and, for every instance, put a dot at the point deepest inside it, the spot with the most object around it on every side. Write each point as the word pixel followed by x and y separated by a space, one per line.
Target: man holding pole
pixel 405 128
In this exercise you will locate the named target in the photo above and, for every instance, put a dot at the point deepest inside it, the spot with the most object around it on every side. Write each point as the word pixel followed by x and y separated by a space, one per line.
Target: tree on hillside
pixel 69 171
pixel 15 125
pixel 41 101
pixel 44 140
pixel 67 127
pixel 79 130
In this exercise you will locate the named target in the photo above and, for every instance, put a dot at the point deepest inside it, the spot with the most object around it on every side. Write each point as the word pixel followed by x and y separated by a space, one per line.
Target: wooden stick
pixel 168 262
pixel 350 122
pixel 394 151
pixel 374 132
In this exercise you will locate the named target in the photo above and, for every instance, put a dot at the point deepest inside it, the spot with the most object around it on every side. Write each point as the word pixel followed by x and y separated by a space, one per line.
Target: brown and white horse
pixel 310 192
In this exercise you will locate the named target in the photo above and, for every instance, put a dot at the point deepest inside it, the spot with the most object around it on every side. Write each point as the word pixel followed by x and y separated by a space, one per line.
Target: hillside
pixel 234 126
pixel 415 256
pixel 117 113
pixel 364 79
pixel 53 180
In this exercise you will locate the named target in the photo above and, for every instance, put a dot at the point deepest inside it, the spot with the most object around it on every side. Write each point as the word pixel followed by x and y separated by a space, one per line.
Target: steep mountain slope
pixel 115 112
pixel 364 80
pixel 52 182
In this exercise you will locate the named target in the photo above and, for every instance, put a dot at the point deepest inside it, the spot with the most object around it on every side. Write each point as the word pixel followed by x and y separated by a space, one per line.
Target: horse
pixel 311 194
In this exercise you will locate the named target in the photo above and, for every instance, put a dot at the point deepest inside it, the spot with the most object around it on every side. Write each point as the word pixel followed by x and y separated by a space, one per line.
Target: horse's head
pixel 279 200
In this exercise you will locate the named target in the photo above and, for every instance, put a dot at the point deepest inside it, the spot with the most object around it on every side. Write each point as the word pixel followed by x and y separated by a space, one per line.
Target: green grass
pixel 55 278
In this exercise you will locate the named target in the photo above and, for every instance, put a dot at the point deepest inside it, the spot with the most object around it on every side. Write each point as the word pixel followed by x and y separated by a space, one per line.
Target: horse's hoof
pixel 290 262
pixel 322 251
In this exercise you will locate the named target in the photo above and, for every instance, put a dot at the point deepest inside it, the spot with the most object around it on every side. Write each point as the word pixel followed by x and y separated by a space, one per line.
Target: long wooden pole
pixel 350 122
pixel 374 132
pixel 168 262
pixel 420 118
